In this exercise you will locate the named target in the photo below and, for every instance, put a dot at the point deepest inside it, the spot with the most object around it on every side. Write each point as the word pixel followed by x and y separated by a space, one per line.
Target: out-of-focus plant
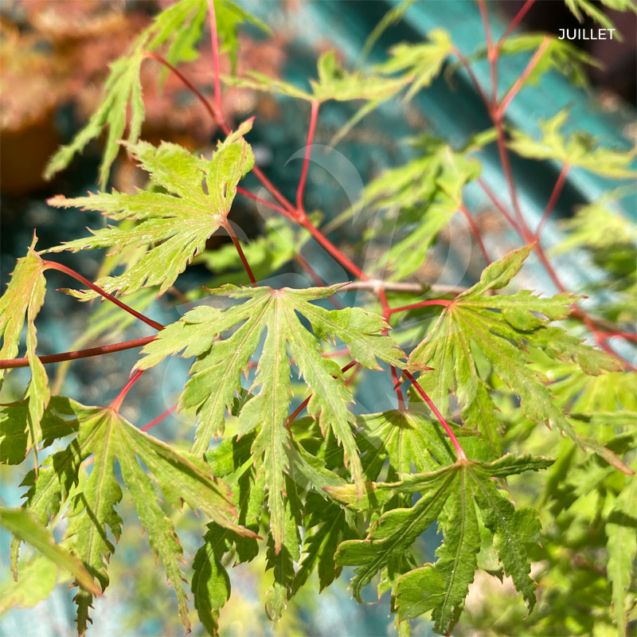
pixel 302 488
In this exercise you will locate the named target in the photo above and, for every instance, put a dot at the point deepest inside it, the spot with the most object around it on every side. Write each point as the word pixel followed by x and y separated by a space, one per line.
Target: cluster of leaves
pixel 328 490
pixel 178 29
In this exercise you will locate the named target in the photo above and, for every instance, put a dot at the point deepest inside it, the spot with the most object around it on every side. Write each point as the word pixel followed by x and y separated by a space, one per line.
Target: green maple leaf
pixel 232 460
pixel 422 196
pixel 597 14
pixel 281 559
pixel 216 375
pixel 579 149
pixel 394 443
pixel 326 525
pixel 502 327
pixel 415 64
pixel 161 533
pixel 392 17
pixel 584 226
pixel 465 492
pixel 210 581
pixel 407 440
pixel 38 578
pixel 94 498
pixel 621 531
pixel 419 63
pixel 402 440
pixel 175 225
pixel 177 29
pixel 15 436
pixel 22 302
pixel 334 83
pixel 229 16
pixel 24 526
pixel 92 513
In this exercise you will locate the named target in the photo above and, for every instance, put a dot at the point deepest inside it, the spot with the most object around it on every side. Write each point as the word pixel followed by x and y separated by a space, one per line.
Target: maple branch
pixel 496 116
pixel 373 285
pixel 492 54
pixel 398 390
pixel 541 255
pixel 160 418
pixel 476 232
pixel 297 256
pixel 525 74
pixel 555 195
pixel 465 63
pixel 460 454
pixel 207 105
pixel 484 14
pixel 345 261
pixel 274 192
pixel 13 363
pixel 508 175
pixel 414 306
pixel 629 336
pixel 52 265
pixel 117 403
pixel 308 151
pixel 215 57
pixel 382 296
pixel 499 205
pixel 265 202
pixel 242 256
pixel 514 23
pixel 600 340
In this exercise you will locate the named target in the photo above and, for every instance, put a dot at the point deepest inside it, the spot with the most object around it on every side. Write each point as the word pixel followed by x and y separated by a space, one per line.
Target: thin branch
pixel 508 175
pixel 555 195
pixel 514 23
pixel 476 232
pixel 414 306
pixel 522 79
pixel 485 22
pixel 600 340
pixel 76 355
pixel 117 403
pixel 160 418
pixel 628 336
pixel 242 256
pixel 345 261
pixel 492 54
pixel 215 57
pixel 373 285
pixel 265 202
pixel 541 255
pixel 499 205
pixel 274 192
pixel 465 63
pixel 207 105
pixel 52 265
pixel 460 454
pixel 382 297
pixel 397 389
pixel 308 151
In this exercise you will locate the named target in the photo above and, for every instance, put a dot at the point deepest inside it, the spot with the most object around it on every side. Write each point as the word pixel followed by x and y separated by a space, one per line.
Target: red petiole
pixel 460 454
